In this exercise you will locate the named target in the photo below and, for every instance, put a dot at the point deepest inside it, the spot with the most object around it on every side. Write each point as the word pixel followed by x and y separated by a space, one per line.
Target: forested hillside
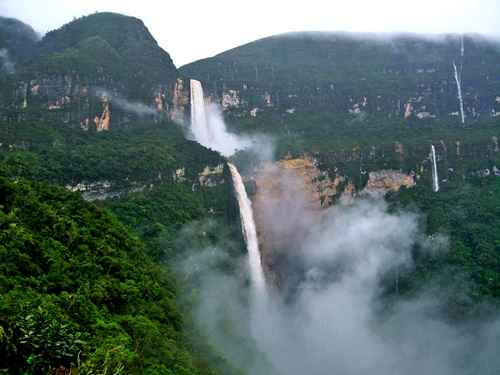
pixel 466 277
pixel 121 47
pixel 97 69
pixel 90 288
pixel 17 40
pixel 147 154
pixel 79 288
pixel 101 186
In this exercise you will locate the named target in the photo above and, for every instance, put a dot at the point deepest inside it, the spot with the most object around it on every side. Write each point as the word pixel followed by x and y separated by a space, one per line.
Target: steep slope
pixel 78 291
pixel 17 44
pixel 17 39
pixel 398 76
pixel 96 72
pixel 105 165
pixel 125 37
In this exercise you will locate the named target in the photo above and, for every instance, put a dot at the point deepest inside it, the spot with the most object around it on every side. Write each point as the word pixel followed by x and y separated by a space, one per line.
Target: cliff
pixel 353 74
pixel 17 40
pixel 73 67
pixel 289 199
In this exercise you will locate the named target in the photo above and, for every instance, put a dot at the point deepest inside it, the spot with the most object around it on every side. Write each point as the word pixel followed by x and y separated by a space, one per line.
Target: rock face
pixel 230 99
pixel 180 101
pixel 289 199
pixel 319 185
pixel 102 122
pixel 381 182
pixel 391 76
pixel 211 176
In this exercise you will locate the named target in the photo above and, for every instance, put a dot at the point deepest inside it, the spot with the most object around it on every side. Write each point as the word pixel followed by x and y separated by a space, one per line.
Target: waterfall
pixel 462 46
pixel 458 78
pixel 199 121
pixel 458 81
pixel 208 127
pixel 249 232
pixel 435 178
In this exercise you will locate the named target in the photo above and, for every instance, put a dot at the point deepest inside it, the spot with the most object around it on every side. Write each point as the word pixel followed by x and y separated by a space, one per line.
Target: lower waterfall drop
pixel 249 232
pixel 435 178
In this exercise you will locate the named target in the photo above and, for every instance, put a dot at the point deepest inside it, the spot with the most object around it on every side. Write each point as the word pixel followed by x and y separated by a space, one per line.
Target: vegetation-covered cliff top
pixel 106 44
pixel 17 37
pixel 314 57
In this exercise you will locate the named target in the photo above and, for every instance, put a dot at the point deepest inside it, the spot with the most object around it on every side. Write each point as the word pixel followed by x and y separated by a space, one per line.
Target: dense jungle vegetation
pixel 466 274
pixel 91 288
pixel 86 289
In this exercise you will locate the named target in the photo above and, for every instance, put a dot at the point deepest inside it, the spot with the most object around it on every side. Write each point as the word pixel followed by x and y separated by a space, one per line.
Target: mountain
pixel 17 44
pixel 90 287
pixel 95 70
pixel 387 75
pixel 107 238
pixel 123 42
pixel 17 39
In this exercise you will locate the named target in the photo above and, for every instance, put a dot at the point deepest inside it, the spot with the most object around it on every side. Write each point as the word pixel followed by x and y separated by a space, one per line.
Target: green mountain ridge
pixel 350 73
pixel 69 68
pixel 90 287
pixel 145 62
pixel 18 38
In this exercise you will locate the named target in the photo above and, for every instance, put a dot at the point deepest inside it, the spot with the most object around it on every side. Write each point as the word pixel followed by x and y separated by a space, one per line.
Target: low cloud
pixel 7 65
pixel 335 322
pixel 137 108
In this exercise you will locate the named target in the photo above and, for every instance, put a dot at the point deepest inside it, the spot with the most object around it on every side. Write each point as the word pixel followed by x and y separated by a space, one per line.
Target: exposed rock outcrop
pixel 289 199
pixel 320 187
pixel 211 176
pixel 381 182
pixel 180 101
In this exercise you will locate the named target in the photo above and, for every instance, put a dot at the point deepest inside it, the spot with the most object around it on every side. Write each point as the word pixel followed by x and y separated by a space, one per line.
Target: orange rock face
pixel 159 99
pixel 408 110
pixel 102 123
pixel 180 100
pixel 290 199
pixel 388 180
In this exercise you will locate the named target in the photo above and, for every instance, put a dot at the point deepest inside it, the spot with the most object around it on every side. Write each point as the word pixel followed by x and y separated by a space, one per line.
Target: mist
pixel 7 65
pixel 428 16
pixel 137 108
pixel 337 320
pixel 222 140
pixel 207 127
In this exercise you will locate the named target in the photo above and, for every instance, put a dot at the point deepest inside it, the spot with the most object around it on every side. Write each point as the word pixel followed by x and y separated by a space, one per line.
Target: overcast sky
pixel 194 29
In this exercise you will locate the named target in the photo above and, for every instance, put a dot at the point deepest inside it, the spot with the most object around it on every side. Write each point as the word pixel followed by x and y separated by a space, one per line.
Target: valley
pixel 307 202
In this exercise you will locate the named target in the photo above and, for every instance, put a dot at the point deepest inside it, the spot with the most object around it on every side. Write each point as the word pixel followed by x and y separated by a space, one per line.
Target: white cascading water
pixel 199 121
pixel 208 127
pixel 435 177
pixel 458 81
pixel 249 232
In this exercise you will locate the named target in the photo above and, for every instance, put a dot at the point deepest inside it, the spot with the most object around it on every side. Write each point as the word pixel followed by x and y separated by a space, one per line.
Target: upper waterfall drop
pixel 458 81
pixel 435 178
pixel 208 127
pixel 249 232
pixel 199 120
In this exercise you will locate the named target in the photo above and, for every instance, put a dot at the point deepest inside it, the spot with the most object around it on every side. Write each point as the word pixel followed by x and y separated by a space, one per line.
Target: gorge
pixel 323 248
pixel 304 203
